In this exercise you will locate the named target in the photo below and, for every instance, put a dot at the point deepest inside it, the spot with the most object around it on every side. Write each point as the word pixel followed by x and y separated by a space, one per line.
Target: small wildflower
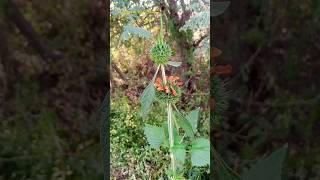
pixel 160 88
pixel 171 79
pixel 167 89
pixel 158 80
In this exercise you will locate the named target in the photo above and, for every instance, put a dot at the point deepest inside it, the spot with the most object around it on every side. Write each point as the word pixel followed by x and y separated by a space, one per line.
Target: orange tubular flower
pixel 167 89
pixel 171 78
pixel 159 80
pixel 171 83
pixel 160 88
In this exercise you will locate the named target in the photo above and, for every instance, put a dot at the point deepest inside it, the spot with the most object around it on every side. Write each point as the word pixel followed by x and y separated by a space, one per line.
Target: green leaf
pixel 154 134
pixel 193 117
pixel 176 135
pixel 219 7
pixel 129 29
pixel 147 99
pixel 184 124
pixel 200 152
pixel 268 168
pixel 174 63
pixel 166 135
pixel 179 153
pixel 198 21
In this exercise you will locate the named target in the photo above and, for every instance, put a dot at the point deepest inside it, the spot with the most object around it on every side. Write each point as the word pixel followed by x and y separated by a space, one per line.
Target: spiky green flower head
pixel 160 53
pixel 169 92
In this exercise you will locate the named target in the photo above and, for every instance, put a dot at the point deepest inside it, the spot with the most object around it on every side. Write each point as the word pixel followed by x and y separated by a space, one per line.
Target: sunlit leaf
pixel 176 135
pixel 155 135
pixel 184 124
pixel 147 98
pixel 174 63
pixel 166 135
pixel 129 29
pixel 193 117
pixel 200 152
pixel 198 21
pixel 179 153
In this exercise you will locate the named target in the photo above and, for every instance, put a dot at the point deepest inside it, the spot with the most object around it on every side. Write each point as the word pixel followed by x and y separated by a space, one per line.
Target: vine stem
pixel 170 124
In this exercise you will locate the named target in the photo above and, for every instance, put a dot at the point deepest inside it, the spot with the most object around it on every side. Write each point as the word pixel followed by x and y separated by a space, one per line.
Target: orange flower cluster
pixel 172 81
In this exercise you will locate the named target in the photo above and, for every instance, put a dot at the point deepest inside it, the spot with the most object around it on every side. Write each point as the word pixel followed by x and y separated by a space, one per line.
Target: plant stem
pixel 171 138
pixel 163 74
pixel 155 74
pixel 170 125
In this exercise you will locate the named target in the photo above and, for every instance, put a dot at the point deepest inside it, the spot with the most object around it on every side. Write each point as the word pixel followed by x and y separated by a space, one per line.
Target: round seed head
pixel 160 53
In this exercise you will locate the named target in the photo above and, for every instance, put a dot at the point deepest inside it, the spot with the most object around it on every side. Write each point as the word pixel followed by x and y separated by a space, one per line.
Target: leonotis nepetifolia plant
pixel 177 133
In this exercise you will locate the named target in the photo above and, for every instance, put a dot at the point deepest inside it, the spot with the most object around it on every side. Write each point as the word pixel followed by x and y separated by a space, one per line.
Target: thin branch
pixel 196 44
pixel 115 67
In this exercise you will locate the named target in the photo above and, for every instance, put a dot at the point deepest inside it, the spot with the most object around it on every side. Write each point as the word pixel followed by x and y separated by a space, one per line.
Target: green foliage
pixel 269 167
pixel 197 173
pixel 129 29
pixel 174 63
pixel 198 21
pixel 128 146
pixel 193 117
pixel 147 98
pixel 160 53
pixel 125 17
pixel 164 98
pixel 179 152
pixel 35 143
pixel 200 152
pixel 155 135
pixel 183 123
pixel 200 147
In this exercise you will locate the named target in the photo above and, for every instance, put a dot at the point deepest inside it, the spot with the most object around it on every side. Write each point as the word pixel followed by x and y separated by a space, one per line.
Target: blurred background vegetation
pixel 273 47
pixel 53 77
pixel 52 82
